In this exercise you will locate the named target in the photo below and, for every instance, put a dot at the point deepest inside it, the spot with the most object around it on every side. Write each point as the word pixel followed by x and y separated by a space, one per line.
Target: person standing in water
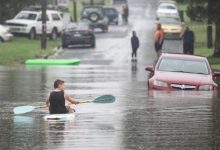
pixel 134 45
pixel 56 99
pixel 158 40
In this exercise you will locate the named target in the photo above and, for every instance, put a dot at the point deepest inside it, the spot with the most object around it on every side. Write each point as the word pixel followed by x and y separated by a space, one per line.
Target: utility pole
pixel 44 24
pixel 209 28
pixel 75 10
pixel 91 2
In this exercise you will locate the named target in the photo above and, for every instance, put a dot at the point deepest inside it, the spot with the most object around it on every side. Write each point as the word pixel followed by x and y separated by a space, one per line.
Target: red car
pixel 182 72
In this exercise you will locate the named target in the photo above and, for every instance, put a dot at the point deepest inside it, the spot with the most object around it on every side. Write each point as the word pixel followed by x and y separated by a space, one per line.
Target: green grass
pixel 21 48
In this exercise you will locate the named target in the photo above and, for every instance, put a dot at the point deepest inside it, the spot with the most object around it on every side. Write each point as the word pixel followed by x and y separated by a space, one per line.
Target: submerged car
pixel 182 72
pixel 172 27
pixel 77 34
pixel 5 34
pixel 112 15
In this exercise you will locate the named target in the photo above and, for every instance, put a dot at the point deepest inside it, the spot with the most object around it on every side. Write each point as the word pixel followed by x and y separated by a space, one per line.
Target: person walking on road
pixel 134 45
pixel 125 13
pixel 188 41
pixel 158 40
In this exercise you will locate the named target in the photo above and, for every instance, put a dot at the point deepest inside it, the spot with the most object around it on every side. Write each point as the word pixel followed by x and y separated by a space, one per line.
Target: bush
pixel 197 13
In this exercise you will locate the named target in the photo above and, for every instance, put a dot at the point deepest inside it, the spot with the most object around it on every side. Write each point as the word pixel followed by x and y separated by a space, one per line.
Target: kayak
pixel 52 62
pixel 60 117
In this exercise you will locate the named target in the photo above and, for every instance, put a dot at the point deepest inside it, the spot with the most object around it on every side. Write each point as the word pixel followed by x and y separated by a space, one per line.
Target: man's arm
pixel 74 101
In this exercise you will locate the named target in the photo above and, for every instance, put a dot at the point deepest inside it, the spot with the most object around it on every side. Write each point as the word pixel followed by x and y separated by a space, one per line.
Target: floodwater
pixel 138 120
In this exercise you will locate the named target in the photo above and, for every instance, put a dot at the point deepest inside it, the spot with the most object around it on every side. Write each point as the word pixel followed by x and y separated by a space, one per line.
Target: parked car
pixel 112 15
pixel 182 72
pixel 167 10
pixel 95 16
pixel 29 22
pixel 5 34
pixel 78 34
pixel 172 27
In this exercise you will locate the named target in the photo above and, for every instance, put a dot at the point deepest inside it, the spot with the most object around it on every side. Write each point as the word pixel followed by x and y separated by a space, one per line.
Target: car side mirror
pixel 149 68
pixel 216 74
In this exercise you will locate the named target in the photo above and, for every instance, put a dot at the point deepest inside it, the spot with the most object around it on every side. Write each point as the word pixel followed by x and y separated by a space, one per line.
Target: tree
pixel 213 16
pixel 9 8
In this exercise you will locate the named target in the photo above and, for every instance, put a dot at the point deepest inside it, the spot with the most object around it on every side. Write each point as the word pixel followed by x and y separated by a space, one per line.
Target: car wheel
pixel 93 44
pixel 53 35
pixel 94 17
pixel 105 29
pixel 64 45
pixel 32 34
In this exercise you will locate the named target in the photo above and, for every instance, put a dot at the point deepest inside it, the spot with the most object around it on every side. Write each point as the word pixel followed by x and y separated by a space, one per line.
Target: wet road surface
pixel 138 120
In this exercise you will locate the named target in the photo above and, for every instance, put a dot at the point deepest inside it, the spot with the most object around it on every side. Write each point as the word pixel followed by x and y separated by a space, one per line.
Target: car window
pixel 26 16
pixel 109 11
pixel 87 11
pixel 169 20
pixel 186 66
pixel 168 7
pixel 40 18
pixel 55 17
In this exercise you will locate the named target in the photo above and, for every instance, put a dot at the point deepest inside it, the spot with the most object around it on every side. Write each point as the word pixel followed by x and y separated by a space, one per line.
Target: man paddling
pixel 56 99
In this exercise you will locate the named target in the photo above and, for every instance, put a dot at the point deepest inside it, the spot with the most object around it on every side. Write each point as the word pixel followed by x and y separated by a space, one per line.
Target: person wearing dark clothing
pixel 134 45
pixel 188 41
pixel 56 99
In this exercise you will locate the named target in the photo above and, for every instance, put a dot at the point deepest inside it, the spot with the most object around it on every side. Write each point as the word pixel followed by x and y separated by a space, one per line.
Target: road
pixel 138 120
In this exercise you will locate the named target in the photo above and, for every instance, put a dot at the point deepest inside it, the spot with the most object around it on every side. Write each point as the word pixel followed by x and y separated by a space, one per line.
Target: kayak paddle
pixel 101 99
pixel 25 109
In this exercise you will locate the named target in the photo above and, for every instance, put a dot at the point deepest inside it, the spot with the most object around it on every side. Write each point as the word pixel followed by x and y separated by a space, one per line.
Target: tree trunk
pixel 217 39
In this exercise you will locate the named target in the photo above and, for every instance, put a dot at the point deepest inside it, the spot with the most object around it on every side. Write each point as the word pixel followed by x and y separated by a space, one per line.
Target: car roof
pixel 183 56
pixel 37 12
pixel 167 4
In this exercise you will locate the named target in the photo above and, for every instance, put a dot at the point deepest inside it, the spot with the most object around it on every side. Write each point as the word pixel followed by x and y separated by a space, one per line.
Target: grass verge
pixel 21 48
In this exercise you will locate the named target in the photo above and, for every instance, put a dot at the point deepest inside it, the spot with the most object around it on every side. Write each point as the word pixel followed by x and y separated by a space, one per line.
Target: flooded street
pixel 138 120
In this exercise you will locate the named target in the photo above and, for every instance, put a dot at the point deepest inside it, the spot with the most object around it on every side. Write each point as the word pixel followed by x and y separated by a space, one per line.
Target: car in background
pixel 29 22
pixel 182 72
pixel 167 10
pixel 172 27
pixel 167 1
pixel 112 15
pixel 78 34
pixel 5 34
pixel 95 17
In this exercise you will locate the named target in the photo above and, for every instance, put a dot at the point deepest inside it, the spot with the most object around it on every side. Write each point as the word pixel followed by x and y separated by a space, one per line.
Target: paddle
pixel 25 109
pixel 101 99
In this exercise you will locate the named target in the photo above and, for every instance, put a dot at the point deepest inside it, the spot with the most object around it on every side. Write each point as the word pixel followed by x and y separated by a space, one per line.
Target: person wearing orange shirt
pixel 158 40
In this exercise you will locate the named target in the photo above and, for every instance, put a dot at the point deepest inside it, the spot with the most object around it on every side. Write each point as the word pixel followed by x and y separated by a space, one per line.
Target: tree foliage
pixel 9 8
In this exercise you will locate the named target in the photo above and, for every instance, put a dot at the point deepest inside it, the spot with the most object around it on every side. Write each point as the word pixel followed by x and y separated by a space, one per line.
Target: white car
pixel 167 10
pixel 167 1
pixel 5 34
pixel 29 22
